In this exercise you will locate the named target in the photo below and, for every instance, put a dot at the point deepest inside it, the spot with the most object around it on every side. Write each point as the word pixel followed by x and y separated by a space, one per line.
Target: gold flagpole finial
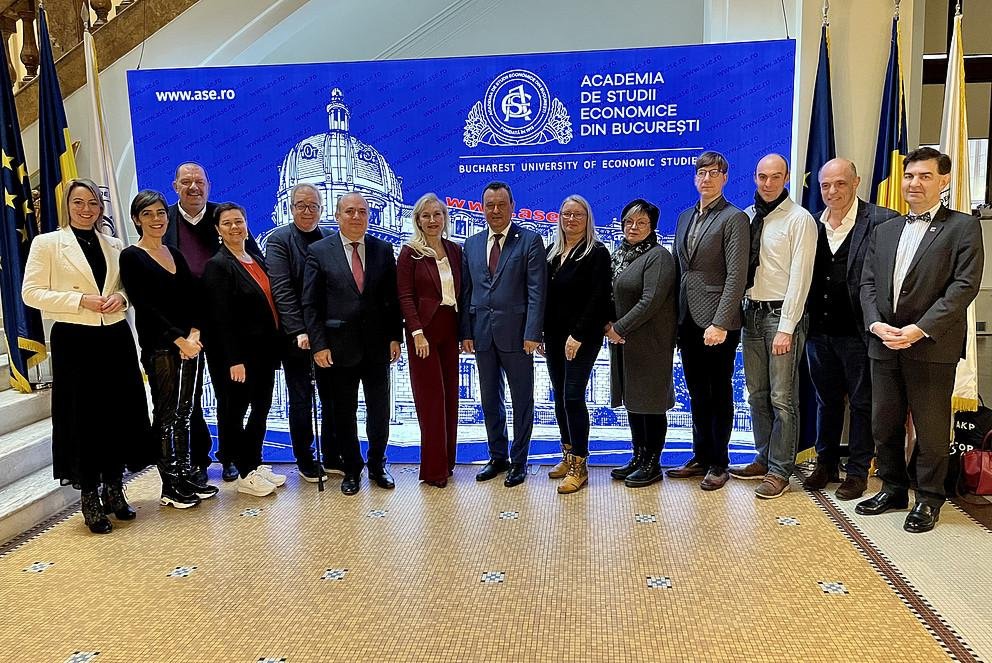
pixel 826 12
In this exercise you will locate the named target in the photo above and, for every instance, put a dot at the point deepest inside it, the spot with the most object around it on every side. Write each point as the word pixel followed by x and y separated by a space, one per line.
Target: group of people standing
pixel 334 308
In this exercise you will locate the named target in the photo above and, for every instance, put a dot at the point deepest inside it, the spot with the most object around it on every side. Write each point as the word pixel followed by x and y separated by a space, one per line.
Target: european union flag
pixel 22 325
pixel 821 147
pixel 886 178
pixel 58 163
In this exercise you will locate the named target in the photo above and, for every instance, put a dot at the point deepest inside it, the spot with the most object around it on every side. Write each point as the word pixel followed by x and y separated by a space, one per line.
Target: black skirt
pixel 99 412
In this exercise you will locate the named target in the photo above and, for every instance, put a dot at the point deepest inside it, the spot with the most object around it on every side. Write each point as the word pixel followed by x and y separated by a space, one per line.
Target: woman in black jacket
pixel 243 332
pixel 577 309
pixel 161 287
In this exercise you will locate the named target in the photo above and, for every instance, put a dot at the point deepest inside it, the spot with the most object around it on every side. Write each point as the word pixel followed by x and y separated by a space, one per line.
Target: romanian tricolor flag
pixel 58 163
pixel 886 178
pixel 24 335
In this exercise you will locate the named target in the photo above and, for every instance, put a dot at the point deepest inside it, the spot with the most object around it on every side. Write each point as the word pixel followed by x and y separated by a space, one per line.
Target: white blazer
pixel 57 276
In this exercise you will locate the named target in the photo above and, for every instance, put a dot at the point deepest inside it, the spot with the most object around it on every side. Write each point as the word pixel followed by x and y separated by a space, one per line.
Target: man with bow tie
pixel 921 273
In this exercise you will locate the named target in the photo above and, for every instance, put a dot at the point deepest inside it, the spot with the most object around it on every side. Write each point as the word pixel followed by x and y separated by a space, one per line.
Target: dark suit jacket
pixel 240 327
pixel 867 218
pixel 943 279
pixel 286 254
pixel 507 308
pixel 352 325
pixel 419 284
pixel 713 276
pixel 205 229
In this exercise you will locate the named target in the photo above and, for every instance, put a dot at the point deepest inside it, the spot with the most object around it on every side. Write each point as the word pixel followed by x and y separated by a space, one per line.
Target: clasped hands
pixel 100 304
pixel 895 338
pixel 190 346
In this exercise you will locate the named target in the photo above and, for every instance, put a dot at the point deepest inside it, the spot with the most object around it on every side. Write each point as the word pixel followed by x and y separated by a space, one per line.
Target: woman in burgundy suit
pixel 429 272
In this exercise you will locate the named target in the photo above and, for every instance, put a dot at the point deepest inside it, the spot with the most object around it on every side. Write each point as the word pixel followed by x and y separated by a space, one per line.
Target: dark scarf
pixel 761 210
pixel 627 253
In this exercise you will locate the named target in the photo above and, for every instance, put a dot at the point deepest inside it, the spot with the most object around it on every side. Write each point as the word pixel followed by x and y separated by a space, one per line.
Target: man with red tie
pixel 352 315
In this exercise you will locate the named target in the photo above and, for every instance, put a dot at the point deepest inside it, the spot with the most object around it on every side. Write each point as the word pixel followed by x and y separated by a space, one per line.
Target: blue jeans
pixel 773 387
pixel 838 366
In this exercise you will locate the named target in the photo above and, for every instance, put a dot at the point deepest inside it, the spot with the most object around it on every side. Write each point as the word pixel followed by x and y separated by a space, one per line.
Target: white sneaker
pixel 270 476
pixel 255 484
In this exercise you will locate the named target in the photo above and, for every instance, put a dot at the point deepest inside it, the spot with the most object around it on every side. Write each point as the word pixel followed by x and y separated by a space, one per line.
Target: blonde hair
pixel 418 241
pixel 590 240
pixel 90 186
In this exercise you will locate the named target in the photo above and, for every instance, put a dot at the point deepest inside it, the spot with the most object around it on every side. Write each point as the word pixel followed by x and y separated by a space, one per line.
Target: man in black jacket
pixel 352 314
pixel 286 252
pixel 837 345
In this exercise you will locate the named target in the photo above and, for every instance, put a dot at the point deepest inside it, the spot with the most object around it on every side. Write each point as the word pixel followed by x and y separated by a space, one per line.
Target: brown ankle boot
pixel 561 469
pixel 578 475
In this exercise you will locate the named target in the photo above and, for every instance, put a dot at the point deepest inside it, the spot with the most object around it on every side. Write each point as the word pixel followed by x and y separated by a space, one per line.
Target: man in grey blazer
pixel 711 250
pixel 286 252
pixel 921 273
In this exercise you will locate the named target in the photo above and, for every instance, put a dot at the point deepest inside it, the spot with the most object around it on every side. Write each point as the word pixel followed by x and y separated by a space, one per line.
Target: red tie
pixel 494 254
pixel 356 267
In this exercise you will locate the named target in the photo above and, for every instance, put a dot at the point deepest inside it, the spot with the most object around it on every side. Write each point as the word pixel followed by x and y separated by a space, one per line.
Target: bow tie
pixel 922 218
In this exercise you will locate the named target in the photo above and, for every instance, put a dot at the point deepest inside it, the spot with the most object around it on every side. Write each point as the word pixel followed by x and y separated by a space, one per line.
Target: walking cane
pixel 316 429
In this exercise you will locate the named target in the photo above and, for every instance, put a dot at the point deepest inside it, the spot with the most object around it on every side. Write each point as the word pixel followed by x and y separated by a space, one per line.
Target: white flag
pixel 954 143
pixel 102 169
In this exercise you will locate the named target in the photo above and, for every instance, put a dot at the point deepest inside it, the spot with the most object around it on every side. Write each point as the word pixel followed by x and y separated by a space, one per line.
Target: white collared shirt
pixel 836 237
pixel 348 249
pixel 193 220
pixel 909 242
pixel 785 270
pixel 502 240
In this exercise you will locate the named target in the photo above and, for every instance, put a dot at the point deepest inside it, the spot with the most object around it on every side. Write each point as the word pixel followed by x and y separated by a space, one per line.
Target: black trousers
pixel 924 388
pixel 243 440
pixel 648 430
pixel 172 382
pixel 200 441
pixel 569 380
pixel 296 367
pixel 374 378
pixel 709 371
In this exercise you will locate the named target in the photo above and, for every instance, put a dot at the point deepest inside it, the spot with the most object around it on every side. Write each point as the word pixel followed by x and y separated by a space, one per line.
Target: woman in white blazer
pixel 99 412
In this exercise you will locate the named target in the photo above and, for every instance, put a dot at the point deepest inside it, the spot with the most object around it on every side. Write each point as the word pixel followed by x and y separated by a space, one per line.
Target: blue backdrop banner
pixel 609 125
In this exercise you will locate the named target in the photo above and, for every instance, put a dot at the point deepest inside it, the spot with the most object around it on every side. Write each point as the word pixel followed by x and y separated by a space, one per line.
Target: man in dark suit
pixel 192 232
pixel 504 281
pixel 711 249
pixel 921 273
pixel 837 346
pixel 352 315
pixel 286 252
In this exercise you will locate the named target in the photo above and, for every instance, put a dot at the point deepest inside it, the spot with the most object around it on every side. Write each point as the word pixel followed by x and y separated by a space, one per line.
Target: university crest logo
pixel 517 110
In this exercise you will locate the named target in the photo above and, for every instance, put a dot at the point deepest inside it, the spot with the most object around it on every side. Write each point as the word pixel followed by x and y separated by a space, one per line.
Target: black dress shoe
pixel 922 518
pixel 351 483
pixel 382 478
pixel 882 502
pixel 492 469
pixel 230 472
pixel 516 475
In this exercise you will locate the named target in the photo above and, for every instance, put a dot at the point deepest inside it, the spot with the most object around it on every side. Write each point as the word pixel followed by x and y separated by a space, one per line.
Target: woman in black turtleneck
pixel 99 412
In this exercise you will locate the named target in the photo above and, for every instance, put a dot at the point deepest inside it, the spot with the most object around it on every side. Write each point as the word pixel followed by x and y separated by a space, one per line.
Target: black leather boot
pixel 647 473
pixel 93 514
pixel 624 471
pixel 114 502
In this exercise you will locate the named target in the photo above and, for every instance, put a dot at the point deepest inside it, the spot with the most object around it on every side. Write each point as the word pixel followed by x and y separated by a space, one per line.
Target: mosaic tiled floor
pixel 473 572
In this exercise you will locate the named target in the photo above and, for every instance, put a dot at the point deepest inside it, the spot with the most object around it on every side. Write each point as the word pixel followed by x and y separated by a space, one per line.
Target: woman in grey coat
pixel 643 340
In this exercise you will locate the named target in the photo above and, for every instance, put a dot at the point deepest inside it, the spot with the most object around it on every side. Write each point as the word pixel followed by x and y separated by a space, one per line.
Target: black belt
pixel 755 305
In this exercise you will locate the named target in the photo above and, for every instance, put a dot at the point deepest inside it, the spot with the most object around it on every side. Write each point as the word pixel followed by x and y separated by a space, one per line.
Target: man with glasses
pixel 780 269
pixel 504 280
pixel 352 313
pixel 286 253
pixel 711 249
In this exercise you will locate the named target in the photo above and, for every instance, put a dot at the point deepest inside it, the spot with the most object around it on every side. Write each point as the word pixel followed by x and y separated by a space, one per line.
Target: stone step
pixel 30 500
pixel 24 451
pixel 4 372
pixel 18 410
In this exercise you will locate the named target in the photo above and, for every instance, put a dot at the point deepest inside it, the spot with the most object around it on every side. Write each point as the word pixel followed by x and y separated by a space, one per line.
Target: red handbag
pixel 976 468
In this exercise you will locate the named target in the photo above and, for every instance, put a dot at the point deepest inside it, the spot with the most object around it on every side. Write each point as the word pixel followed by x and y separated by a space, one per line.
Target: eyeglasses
pixel 306 207
pixel 634 224
pixel 573 215
pixel 712 173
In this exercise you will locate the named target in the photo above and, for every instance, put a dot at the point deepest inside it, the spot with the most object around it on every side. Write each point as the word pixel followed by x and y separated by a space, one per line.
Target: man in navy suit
pixel 504 279
pixel 352 314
